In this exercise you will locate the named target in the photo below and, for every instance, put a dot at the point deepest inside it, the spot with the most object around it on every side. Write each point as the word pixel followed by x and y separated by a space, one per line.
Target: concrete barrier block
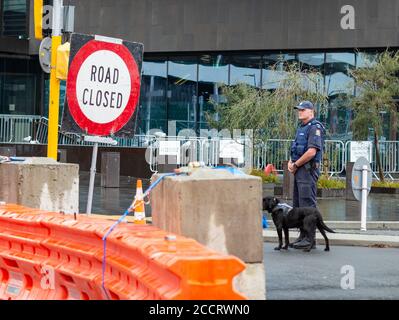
pixel 252 281
pixel 41 183
pixel 215 207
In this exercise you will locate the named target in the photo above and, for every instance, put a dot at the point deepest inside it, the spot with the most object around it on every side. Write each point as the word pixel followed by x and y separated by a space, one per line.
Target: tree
pixel 377 85
pixel 269 113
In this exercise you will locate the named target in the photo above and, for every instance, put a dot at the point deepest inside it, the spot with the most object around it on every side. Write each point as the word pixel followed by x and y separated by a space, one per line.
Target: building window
pixel 273 69
pixel 182 92
pixel 213 73
pixel 339 85
pixel 314 62
pixel 18 86
pixel 245 69
pixel 14 18
pixel 153 104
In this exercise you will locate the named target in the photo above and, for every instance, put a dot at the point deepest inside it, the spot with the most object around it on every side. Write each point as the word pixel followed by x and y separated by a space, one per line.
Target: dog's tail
pixel 325 227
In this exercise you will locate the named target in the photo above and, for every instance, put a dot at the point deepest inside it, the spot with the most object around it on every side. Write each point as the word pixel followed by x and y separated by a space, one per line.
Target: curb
pixel 355 225
pixel 344 239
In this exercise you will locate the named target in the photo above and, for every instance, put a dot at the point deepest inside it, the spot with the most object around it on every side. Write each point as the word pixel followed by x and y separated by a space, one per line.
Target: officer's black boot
pixel 304 243
pixel 300 238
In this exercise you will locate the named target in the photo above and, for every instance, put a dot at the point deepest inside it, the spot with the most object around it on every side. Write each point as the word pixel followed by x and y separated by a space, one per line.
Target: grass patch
pixel 385 184
pixel 271 178
pixel 325 183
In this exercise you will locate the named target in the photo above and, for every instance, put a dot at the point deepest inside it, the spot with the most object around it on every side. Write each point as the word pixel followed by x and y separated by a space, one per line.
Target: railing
pixel 15 128
pixel 389 156
pixel 63 138
pixel 68 139
pixel 34 129
pixel 276 151
pixel 206 150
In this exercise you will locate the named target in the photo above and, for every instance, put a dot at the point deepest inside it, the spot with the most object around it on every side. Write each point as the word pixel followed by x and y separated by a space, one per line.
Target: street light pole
pixel 54 101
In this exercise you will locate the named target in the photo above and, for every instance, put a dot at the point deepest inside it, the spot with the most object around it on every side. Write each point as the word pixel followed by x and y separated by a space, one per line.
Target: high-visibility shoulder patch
pixel 318 132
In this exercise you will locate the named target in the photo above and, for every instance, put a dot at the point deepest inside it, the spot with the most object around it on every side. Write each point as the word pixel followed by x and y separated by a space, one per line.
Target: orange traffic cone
pixel 139 211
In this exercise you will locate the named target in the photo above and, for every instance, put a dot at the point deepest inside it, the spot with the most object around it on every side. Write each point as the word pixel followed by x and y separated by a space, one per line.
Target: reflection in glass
pixel 182 92
pixel 337 69
pixel 339 84
pixel 313 62
pixel 18 86
pixel 212 74
pixel 152 112
pixel 14 19
pixel 245 69
pixel 364 59
pixel 273 69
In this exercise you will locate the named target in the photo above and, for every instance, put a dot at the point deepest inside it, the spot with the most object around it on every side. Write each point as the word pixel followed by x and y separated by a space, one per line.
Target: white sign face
pixel 103 86
pixel 360 149
pixel 169 148
pixel 231 149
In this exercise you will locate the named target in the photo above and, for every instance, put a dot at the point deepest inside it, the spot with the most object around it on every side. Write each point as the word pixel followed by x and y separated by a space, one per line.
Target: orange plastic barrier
pixel 45 255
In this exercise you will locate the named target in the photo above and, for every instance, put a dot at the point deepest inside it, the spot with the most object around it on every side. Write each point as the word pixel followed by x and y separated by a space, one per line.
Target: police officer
pixel 306 155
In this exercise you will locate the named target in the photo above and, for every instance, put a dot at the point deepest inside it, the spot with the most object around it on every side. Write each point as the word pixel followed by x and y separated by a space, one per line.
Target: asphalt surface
pixel 296 275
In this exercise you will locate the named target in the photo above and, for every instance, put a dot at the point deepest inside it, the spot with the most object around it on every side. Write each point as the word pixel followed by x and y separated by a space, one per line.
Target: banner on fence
pixel 360 149
pixel 231 149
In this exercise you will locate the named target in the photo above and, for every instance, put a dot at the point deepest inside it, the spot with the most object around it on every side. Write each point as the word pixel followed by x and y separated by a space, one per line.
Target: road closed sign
pixel 103 86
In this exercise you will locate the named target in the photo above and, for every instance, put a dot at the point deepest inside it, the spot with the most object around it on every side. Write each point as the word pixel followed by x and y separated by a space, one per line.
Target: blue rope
pixel 152 186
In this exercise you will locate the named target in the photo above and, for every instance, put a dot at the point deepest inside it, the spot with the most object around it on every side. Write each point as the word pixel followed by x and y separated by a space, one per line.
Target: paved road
pixel 297 275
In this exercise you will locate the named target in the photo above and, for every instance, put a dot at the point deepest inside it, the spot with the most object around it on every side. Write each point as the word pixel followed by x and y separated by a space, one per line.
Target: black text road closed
pixel 103 85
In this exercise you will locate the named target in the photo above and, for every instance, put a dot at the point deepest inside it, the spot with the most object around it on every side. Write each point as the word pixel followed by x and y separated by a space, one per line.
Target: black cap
pixel 305 105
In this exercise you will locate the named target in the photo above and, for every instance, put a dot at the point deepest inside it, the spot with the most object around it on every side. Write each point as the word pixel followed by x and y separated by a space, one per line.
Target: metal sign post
pixel 96 141
pixel 364 198
pixel 361 186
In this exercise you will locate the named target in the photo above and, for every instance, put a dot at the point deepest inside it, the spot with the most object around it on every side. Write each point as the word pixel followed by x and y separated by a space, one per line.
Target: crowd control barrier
pixel 48 256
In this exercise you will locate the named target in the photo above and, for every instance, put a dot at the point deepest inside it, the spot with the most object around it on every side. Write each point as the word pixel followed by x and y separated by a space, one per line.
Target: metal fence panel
pixel 15 128
pixel 276 151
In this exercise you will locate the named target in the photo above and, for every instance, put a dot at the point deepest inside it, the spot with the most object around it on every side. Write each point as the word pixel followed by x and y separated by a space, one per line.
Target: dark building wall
pixel 132 163
pixel 202 25
pixel 193 25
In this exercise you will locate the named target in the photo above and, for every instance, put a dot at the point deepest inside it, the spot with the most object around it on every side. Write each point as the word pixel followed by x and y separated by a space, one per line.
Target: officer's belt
pixel 312 165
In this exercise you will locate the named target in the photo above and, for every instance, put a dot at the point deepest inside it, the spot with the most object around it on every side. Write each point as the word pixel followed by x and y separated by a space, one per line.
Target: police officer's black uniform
pixel 309 135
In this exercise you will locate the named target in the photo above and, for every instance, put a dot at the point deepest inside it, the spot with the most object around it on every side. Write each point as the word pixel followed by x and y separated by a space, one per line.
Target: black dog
pixel 306 219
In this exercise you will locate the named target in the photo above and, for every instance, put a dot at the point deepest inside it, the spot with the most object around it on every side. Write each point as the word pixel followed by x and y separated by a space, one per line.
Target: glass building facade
pixel 14 22
pixel 20 86
pixel 181 87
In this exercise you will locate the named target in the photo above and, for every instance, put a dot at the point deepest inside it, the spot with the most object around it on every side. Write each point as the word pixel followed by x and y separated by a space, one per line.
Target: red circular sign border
pixel 91 127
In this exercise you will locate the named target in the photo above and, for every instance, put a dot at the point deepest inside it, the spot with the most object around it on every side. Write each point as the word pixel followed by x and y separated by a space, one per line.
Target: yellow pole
pixel 54 99
pixel 38 18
